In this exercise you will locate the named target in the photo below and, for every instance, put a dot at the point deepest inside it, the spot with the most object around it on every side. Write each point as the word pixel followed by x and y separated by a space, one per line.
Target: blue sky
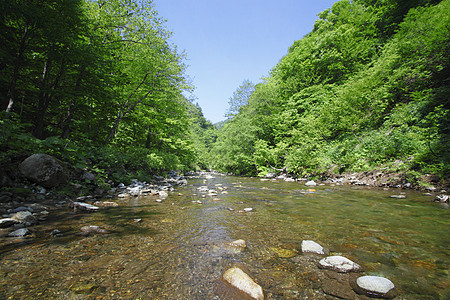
pixel 229 41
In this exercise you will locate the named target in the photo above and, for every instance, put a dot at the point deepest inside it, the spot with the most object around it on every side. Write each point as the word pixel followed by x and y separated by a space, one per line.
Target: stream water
pixel 179 249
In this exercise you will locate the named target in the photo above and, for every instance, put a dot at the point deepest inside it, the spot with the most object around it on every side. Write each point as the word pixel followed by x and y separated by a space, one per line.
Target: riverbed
pixel 179 248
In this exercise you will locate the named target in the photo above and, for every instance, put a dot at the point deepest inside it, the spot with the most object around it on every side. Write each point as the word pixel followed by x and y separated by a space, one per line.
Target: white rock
pixel 212 192
pixel 339 263
pixel 123 195
pixel 248 209
pixel 398 196
pixel 289 180
pixel 84 206
pixel 240 280
pixel 7 222
pixel 163 194
pixel 375 284
pixel 311 246
pixel 203 189
pixel 311 183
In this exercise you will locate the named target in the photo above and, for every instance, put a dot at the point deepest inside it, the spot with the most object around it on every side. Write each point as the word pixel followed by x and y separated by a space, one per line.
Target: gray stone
pixel 56 233
pixel 311 246
pixel 25 217
pixel 20 208
pixel 339 264
pixel 44 170
pixel 375 286
pixel 88 176
pixel 20 232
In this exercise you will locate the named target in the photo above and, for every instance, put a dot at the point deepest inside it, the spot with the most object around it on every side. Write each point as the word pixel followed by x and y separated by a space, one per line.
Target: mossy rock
pixel 283 253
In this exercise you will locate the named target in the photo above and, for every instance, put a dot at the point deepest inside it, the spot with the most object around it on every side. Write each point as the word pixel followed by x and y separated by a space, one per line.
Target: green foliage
pixel 94 83
pixel 352 95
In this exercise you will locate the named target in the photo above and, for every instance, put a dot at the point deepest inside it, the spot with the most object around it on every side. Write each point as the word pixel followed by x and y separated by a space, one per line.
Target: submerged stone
pixel 243 282
pixel 92 229
pixel 283 253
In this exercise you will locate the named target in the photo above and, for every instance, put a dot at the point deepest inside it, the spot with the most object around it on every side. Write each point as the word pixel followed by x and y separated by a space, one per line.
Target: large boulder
pixel 44 170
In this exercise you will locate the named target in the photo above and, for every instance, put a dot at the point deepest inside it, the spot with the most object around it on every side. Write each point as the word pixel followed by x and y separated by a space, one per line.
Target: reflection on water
pixel 180 249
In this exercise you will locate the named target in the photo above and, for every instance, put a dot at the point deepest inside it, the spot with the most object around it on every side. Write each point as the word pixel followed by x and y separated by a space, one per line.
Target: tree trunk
pixel 43 102
pixel 68 120
pixel 12 88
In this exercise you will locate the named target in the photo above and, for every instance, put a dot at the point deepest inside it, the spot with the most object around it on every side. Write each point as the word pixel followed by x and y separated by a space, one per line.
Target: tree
pixel 240 98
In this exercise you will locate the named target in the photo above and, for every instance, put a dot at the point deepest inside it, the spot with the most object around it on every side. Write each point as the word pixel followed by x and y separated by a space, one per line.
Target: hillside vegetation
pixel 94 83
pixel 98 85
pixel 367 88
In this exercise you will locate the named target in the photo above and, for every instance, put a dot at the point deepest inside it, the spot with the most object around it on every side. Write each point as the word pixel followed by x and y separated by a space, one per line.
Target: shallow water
pixel 180 249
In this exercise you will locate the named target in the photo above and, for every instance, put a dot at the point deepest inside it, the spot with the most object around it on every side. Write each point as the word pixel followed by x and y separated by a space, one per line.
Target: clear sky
pixel 228 41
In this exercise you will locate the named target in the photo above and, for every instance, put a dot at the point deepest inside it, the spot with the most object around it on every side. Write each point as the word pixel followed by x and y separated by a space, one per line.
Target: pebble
pixel 238 244
pixel 56 233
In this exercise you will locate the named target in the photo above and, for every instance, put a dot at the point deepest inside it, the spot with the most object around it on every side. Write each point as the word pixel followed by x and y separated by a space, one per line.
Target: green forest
pixel 99 85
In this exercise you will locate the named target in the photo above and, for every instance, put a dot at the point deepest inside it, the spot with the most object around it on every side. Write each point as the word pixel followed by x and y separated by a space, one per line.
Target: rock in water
pixel 44 170
pixel 25 217
pixel 7 222
pixel 311 183
pixel 375 286
pixel 20 232
pixel 339 264
pixel 240 280
pixel 83 206
pixel 238 244
pixel 312 247
pixel 92 229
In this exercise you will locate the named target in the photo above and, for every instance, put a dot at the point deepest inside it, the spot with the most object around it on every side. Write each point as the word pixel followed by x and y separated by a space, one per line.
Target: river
pixel 179 248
